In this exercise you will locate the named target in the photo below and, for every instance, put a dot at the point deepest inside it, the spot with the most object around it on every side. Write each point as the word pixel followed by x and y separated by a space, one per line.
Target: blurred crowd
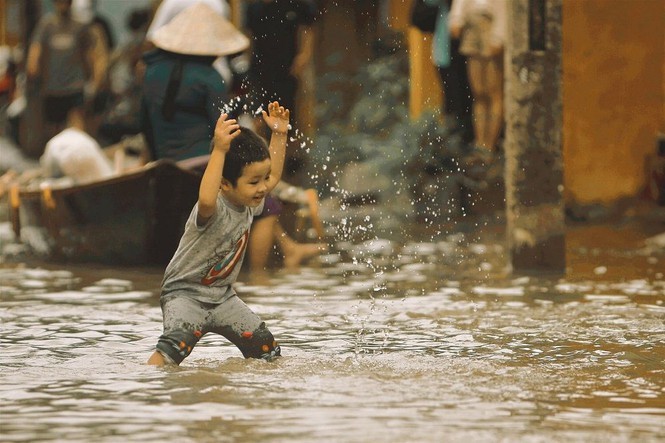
pixel 72 74
pixel 88 108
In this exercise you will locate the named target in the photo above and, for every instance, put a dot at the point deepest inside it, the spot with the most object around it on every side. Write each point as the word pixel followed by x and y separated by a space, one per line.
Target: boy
pixel 197 293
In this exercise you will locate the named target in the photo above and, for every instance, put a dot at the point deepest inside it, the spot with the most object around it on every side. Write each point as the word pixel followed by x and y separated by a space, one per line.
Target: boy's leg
pixel 242 327
pixel 183 327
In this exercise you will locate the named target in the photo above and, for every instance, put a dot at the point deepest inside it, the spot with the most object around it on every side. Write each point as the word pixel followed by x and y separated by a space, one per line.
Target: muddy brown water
pixel 420 341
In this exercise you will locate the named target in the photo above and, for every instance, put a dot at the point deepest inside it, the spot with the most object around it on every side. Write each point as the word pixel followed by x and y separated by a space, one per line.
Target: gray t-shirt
pixel 209 257
pixel 65 44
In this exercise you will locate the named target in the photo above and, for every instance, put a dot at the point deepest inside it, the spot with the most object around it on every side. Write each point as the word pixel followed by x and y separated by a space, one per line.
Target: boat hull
pixel 134 219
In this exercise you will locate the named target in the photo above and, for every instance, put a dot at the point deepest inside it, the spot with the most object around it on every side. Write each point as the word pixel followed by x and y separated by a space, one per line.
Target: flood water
pixel 420 341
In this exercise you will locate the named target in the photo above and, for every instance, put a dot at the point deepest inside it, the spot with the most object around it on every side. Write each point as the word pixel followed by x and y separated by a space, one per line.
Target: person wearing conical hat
pixel 182 91
pixel 167 10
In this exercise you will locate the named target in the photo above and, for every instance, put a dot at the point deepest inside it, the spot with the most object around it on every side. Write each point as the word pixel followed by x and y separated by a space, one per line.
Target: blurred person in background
pixel 168 9
pixel 121 118
pixel 75 155
pixel 102 44
pixel 451 65
pixel 282 47
pixel 62 62
pixel 182 91
pixel 481 27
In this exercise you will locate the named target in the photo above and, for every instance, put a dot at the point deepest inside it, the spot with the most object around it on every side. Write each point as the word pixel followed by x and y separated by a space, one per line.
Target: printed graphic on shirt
pixel 225 266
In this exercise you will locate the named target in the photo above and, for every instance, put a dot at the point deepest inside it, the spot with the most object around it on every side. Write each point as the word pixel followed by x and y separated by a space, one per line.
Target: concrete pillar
pixel 533 146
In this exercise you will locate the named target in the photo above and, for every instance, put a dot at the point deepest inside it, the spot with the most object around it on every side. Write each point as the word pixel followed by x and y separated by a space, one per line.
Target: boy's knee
pixel 178 344
pixel 259 343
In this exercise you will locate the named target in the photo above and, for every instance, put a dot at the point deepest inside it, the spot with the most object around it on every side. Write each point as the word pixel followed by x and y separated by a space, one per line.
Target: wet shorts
pixel 186 320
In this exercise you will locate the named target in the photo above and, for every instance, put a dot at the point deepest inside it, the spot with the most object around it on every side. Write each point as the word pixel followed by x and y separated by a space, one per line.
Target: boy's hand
pixel 277 118
pixel 225 132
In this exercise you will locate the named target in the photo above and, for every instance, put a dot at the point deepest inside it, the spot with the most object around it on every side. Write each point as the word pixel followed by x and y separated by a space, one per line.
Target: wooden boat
pixel 132 219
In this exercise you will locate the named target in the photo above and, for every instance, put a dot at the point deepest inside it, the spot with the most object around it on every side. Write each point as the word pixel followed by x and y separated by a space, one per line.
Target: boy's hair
pixel 248 147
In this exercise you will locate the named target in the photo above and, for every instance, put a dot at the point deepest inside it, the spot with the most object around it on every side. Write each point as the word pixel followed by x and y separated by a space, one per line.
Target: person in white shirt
pixel 74 154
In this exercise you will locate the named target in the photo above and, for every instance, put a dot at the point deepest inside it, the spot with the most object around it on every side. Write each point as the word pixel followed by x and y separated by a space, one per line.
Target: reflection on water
pixel 381 342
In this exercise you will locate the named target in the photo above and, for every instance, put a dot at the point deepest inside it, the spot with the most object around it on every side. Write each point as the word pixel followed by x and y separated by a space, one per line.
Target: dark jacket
pixel 182 97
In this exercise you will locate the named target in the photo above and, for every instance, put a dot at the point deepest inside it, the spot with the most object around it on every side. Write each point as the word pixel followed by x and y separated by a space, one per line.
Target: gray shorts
pixel 186 320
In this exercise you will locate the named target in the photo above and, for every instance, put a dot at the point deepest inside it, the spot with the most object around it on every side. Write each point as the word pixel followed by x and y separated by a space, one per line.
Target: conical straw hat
pixel 199 30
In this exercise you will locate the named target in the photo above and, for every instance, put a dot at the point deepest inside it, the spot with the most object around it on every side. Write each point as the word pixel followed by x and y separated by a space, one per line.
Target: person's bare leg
pixel 295 253
pixel 495 91
pixel 480 100
pixel 261 241
pixel 156 359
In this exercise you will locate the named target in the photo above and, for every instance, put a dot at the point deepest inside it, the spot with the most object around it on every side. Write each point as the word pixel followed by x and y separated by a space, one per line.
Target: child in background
pixel 197 293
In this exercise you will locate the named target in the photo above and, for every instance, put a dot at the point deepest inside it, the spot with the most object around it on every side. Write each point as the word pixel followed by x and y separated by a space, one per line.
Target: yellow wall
pixel 613 91
pixel 613 94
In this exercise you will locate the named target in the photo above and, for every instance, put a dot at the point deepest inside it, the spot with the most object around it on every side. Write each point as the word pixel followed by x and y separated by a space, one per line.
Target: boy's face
pixel 252 186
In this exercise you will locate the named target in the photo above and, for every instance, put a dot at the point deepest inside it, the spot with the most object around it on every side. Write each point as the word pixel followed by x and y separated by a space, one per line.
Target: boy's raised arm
pixel 277 119
pixel 225 132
